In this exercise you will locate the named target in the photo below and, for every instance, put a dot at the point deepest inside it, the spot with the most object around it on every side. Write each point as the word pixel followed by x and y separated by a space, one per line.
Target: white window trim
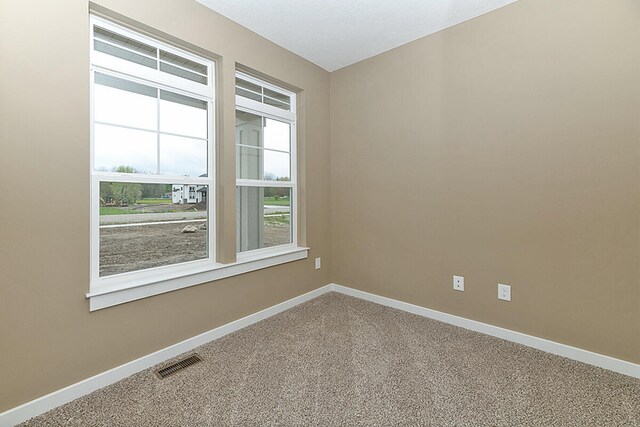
pixel 246 262
pixel 290 117
pixel 125 287
pixel 123 69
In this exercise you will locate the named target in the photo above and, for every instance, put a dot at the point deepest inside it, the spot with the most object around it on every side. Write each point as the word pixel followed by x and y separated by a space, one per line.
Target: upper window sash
pixel 162 62
pixel 148 176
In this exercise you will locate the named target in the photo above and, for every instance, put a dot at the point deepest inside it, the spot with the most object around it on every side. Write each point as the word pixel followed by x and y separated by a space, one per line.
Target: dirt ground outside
pixel 138 247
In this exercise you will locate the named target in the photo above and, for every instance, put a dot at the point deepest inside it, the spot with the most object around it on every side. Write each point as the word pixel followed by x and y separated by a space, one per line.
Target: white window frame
pixel 117 289
pixel 116 67
pixel 286 116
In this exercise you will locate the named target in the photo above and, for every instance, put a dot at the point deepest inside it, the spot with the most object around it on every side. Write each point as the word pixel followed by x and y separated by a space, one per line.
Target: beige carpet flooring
pixel 338 360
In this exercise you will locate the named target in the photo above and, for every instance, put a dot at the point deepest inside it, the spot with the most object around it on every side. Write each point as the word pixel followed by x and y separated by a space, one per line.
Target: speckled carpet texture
pixel 338 360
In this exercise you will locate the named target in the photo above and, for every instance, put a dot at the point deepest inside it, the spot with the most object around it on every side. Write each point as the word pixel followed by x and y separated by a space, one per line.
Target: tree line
pixel 275 191
pixel 121 193
pixel 126 193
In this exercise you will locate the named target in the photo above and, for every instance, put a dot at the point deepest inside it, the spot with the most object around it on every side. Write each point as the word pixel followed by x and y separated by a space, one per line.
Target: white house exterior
pixel 188 193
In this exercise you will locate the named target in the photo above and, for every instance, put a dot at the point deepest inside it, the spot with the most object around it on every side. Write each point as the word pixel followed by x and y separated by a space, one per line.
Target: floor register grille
pixel 178 366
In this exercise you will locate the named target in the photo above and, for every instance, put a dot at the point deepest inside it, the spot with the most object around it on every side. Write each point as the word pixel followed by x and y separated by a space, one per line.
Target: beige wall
pixel 505 149
pixel 48 338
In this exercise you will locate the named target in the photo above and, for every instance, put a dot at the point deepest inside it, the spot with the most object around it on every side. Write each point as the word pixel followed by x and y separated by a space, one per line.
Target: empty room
pixel 320 213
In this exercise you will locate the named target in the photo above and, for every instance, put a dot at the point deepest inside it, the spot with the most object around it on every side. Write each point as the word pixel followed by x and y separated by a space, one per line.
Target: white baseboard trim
pixel 60 397
pixel 574 353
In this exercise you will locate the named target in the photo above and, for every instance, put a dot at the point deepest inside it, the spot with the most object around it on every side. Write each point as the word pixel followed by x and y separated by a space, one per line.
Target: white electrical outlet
pixel 458 283
pixel 318 263
pixel 504 292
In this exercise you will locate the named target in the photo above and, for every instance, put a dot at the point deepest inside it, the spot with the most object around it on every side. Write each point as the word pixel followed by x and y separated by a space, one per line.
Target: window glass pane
pixel 183 115
pixel 284 99
pixel 168 68
pixel 118 149
pixel 122 102
pixel 183 62
pixel 151 225
pixel 276 103
pixel 258 163
pixel 262 94
pixel 276 166
pixel 123 41
pixel 249 163
pixel 247 94
pixel 254 163
pixel 241 83
pixel 248 129
pixel 263 217
pixel 183 156
pixel 125 54
pixel 277 135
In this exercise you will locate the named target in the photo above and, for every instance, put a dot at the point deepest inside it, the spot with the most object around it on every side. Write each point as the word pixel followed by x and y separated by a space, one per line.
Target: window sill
pixel 108 296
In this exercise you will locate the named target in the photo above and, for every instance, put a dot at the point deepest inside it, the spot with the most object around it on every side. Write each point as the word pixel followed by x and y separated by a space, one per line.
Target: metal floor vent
pixel 178 366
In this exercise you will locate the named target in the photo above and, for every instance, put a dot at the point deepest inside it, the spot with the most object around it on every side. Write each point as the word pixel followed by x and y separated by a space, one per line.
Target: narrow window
pixel 266 196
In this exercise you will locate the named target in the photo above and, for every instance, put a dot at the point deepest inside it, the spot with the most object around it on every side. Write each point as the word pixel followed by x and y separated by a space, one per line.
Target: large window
pixel 152 170
pixel 265 165
pixel 151 158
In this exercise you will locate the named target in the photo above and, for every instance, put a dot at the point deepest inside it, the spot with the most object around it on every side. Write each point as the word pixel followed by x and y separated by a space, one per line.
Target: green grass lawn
pixel 279 202
pixel 109 210
pixel 116 210
pixel 154 202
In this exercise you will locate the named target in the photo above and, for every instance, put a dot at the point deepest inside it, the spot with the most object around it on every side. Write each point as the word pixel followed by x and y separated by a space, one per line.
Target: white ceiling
pixel 337 33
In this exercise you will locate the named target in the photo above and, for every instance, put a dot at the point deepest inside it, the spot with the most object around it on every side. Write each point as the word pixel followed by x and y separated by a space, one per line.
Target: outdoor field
pixel 146 235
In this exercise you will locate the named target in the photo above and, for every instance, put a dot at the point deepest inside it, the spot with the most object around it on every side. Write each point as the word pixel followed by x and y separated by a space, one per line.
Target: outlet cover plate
pixel 458 283
pixel 318 263
pixel 504 292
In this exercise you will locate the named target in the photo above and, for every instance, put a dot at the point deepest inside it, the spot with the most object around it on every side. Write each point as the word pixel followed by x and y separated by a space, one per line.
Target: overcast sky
pixel 135 141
